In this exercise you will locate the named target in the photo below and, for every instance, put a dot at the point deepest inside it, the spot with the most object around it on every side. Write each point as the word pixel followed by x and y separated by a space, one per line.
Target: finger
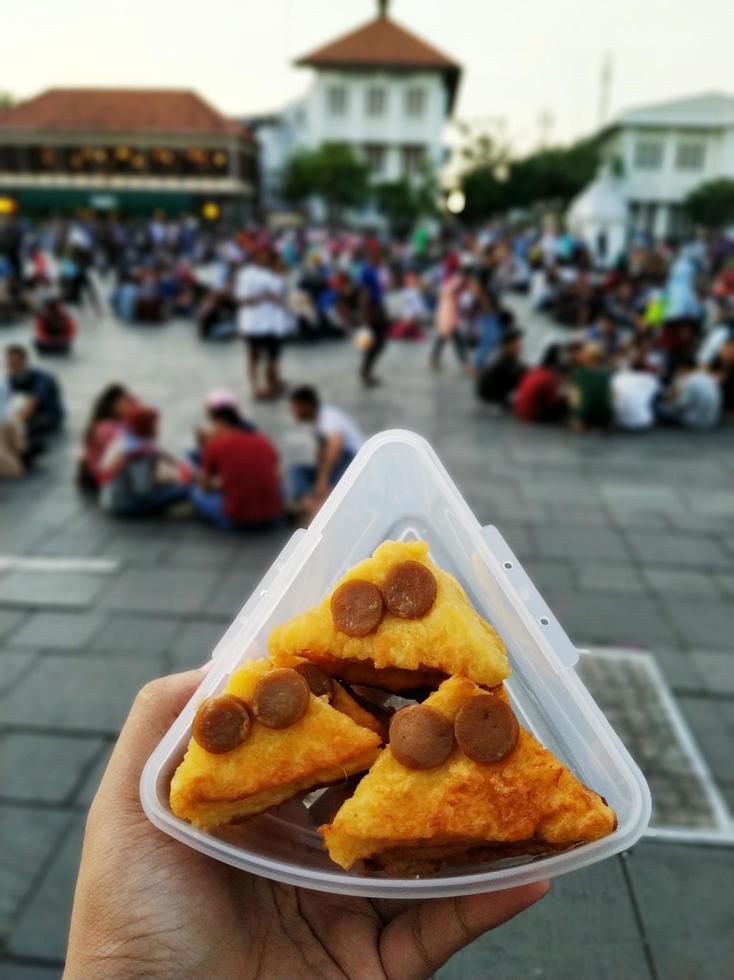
pixel 155 708
pixel 420 940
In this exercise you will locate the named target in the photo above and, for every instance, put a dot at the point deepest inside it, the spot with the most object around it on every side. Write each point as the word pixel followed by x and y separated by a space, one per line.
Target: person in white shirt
pixel 633 398
pixel 339 439
pixel 263 320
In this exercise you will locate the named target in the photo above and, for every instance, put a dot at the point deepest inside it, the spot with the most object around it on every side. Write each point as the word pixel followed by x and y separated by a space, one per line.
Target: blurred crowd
pixel 647 340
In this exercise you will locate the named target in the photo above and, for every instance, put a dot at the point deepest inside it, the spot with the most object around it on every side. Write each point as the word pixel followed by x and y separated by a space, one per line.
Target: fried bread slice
pixel 406 821
pixel 272 765
pixel 399 654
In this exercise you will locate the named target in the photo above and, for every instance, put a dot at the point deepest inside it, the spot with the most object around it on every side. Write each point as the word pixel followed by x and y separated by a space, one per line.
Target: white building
pixel 668 149
pixel 379 89
pixel 599 216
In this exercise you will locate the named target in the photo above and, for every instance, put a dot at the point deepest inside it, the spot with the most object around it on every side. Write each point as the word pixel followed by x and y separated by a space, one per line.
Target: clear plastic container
pixel 396 488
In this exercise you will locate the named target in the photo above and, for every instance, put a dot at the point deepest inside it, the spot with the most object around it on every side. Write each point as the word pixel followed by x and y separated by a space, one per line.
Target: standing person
pixel 371 312
pixel 339 438
pixel 262 320
pixel 43 411
pixel 239 483
pixel 448 312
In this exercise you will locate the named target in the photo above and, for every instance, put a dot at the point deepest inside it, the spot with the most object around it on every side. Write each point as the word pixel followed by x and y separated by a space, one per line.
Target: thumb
pixel 155 708
pixel 420 940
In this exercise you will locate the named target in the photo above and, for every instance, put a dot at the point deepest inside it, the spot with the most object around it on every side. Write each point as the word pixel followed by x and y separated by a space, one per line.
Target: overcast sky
pixel 522 59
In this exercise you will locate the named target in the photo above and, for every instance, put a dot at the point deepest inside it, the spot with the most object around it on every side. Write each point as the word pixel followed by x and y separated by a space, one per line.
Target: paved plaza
pixel 630 539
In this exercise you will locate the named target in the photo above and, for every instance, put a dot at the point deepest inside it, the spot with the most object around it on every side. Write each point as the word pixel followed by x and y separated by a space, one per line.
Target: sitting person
pixel 499 379
pixel 217 398
pixel 590 396
pixel 105 424
pixel 694 400
pixel 634 390
pixel 54 329
pixel 338 437
pixel 722 368
pixel 43 411
pixel 132 483
pixel 606 333
pixel 539 396
pixel 239 482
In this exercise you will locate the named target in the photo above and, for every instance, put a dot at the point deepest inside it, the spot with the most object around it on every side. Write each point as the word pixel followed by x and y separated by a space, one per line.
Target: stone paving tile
pixel 93 777
pixel 164 590
pixel 583 544
pixel 709 725
pixel 20 971
pixel 73 544
pixel 230 594
pixel 195 643
pixel 627 620
pixel 678 549
pixel 549 575
pixel 61 630
pixel 48 589
pixel 136 549
pixel 561 937
pixel 520 539
pixel 679 668
pixel 606 577
pixel 672 581
pixel 661 874
pixel 14 665
pixel 31 834
pixel 43 928
pixel 716 670
pixel 135 635
pixel 702 622
pixel 726 584
pixel 79 693
pixel 10 620
pixel 43 767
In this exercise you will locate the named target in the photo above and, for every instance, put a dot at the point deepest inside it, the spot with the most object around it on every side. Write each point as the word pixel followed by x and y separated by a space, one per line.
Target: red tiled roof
pixel 173 111
pixel 381 42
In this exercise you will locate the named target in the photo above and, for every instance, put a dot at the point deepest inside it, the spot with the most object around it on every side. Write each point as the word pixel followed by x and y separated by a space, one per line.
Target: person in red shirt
pixel 239 485
pixel 539 396
pixel 54 329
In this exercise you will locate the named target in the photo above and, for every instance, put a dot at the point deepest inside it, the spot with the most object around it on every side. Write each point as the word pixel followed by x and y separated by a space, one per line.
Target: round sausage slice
pixel 280 698
pixel 486 728
pixel 357 607
pixel 421 737
pixel 319 682
pixel 409 590
pixel 221 723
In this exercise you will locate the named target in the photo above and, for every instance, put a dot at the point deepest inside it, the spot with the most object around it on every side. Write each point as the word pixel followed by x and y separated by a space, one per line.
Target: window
pixel 374 156
pixel 413 159
pixel 415 102
pixel 375 101
pixel 336 100
pixel 648 155
pixel 690 156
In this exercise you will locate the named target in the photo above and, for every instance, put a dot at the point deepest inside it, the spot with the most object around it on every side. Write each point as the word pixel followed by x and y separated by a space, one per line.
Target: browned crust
pixel 407 862
pixel 395 679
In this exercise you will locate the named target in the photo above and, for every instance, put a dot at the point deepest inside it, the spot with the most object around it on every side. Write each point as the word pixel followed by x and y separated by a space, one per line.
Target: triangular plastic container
pixel 397 488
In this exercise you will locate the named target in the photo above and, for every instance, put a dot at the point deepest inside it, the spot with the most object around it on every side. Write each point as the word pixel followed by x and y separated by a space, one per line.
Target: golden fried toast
pixel 399 652
pixel 410 821
pixel 271 765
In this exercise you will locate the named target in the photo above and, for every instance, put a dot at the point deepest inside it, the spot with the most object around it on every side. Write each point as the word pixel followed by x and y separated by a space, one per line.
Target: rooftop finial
pixel 382 7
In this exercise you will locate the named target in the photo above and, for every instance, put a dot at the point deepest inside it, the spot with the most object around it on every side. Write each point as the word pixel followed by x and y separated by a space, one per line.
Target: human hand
pixel 148 906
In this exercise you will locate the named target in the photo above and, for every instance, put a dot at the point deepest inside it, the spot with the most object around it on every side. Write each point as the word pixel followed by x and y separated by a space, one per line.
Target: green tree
pixel 7 100
pixel 332 172
pixel 404 201
pixel 712 204
pixel 551 175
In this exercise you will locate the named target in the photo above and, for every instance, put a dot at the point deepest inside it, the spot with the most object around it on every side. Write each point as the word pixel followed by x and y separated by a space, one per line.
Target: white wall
pixel 393 129
pixel 669 183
